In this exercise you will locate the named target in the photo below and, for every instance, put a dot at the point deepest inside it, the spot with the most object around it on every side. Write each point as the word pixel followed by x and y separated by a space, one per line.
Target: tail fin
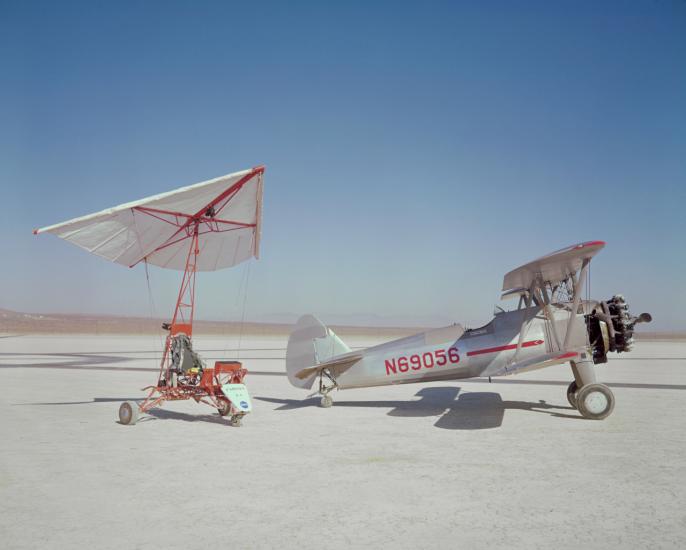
pixel 310 343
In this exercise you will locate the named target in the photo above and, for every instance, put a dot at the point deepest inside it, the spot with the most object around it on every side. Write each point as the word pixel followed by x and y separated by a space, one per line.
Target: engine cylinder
pixel 611 328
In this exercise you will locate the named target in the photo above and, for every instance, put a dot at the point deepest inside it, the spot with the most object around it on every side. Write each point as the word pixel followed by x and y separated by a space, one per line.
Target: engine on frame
pixel 186 366
pixel 611 327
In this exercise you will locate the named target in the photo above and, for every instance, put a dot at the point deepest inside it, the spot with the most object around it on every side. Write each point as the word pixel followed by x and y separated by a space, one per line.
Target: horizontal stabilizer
pixel 336 365
pixel 311 345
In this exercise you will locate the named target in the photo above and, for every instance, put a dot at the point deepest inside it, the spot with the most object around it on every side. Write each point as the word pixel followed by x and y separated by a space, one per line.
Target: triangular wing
pixel 156 229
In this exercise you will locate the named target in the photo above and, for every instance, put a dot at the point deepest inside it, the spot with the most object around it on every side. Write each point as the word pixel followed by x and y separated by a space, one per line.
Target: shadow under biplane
pixel 457 411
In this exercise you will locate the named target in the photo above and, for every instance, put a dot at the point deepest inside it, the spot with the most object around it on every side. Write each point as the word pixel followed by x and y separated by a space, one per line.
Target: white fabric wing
pixel 157 229
pixel 553 268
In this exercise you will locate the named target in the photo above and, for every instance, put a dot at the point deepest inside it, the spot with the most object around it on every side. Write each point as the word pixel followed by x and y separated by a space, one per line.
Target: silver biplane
pixel 551 325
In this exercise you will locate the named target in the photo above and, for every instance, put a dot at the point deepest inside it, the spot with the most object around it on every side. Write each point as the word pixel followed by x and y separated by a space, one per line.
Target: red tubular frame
pixel 208 389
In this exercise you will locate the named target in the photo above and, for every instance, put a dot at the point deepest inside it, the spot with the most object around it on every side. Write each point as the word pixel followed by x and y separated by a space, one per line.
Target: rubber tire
pixel 572 390
pixel 236 421
pixel 225 408
pixel 128 413
pixel 326 401
pixel 582 404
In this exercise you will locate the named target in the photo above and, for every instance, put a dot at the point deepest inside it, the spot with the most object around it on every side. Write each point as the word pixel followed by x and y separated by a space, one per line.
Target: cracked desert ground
pixel 463 464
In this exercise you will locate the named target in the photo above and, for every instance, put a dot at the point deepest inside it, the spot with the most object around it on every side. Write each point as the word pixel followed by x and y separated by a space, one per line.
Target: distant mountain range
pixel 16 322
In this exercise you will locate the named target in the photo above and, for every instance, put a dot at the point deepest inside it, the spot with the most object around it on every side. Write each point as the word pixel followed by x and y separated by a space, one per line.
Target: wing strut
pixel 578 288
pixel 546 310
pixel 523 329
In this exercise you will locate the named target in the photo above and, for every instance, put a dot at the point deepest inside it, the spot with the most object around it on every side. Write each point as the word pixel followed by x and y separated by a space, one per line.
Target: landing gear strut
pixel 325 389
pixel 571 394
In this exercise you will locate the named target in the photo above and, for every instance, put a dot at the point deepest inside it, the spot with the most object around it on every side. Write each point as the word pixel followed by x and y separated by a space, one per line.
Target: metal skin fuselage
pixel 486 351
pixel 551 325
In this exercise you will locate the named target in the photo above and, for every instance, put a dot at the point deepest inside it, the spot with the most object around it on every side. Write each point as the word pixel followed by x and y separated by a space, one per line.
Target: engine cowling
pixel 611 327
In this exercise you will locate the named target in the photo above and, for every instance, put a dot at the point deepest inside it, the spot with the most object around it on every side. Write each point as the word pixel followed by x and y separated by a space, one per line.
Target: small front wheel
pixel 236 421
pixel 128 413
pixel 326 401
pixel 595 401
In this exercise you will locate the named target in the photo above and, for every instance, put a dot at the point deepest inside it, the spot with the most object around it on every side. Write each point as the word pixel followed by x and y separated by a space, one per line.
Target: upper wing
pixel 553 268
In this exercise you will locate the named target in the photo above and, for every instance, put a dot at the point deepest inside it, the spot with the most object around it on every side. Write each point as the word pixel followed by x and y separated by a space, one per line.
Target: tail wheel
pixel 571 394
pixel 224 407
pixel 595 401
pixel 326 401
pixel 128 413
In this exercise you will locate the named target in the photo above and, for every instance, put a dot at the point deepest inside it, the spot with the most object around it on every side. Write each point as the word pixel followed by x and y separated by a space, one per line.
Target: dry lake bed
pixel 463 464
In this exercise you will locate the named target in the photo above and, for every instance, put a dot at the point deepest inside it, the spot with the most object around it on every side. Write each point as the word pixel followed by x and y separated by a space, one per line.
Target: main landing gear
pixel 594 401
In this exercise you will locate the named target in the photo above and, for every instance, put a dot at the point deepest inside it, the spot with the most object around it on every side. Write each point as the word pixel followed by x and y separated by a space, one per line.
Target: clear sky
pixel 415 152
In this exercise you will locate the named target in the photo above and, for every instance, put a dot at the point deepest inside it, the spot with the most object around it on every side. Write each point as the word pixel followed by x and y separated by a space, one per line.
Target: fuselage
pixel 447 353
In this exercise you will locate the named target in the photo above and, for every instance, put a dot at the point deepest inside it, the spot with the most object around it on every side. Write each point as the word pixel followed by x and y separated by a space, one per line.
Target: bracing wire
pixel 151 300
pixel 245 301
pixel 151 305
pixel 588 287
pixel 237 302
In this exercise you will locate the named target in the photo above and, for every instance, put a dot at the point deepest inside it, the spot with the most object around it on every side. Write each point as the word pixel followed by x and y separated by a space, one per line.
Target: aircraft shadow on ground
pixel 456 411
pixel 166 414
pixel 153 414
pixel 88 402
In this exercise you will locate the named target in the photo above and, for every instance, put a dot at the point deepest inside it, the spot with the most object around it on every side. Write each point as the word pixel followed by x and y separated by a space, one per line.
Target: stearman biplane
pixel 551 325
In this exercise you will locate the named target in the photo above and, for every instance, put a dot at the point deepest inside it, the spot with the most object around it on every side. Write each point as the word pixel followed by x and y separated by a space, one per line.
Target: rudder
pixel 310 343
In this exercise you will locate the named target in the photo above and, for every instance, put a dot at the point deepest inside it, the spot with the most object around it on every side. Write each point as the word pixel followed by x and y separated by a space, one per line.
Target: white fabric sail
pixel 226 212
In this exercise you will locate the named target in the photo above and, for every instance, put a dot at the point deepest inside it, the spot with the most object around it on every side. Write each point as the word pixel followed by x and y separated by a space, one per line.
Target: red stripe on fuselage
pixel 504 348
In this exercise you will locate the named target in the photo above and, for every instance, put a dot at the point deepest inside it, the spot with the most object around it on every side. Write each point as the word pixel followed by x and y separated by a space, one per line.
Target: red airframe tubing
pixel 182 322
pixel 208 389
pixel 187 289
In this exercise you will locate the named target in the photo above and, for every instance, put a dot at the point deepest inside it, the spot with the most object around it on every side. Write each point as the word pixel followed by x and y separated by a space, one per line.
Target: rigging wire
pixel 151 300
pixel 237 302
pixel 588 285
pixel 153 309
pixel 245 300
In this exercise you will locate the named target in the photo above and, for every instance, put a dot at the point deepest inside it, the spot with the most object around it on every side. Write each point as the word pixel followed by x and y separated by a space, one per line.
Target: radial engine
pixel 611 327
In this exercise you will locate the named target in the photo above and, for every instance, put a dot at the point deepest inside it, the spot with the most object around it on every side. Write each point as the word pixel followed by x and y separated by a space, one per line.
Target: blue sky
pixel 415 152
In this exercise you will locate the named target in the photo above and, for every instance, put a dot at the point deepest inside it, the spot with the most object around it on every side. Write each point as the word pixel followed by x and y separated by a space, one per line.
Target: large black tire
pixel 571 394
pixel 595 401
pixel 128 413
